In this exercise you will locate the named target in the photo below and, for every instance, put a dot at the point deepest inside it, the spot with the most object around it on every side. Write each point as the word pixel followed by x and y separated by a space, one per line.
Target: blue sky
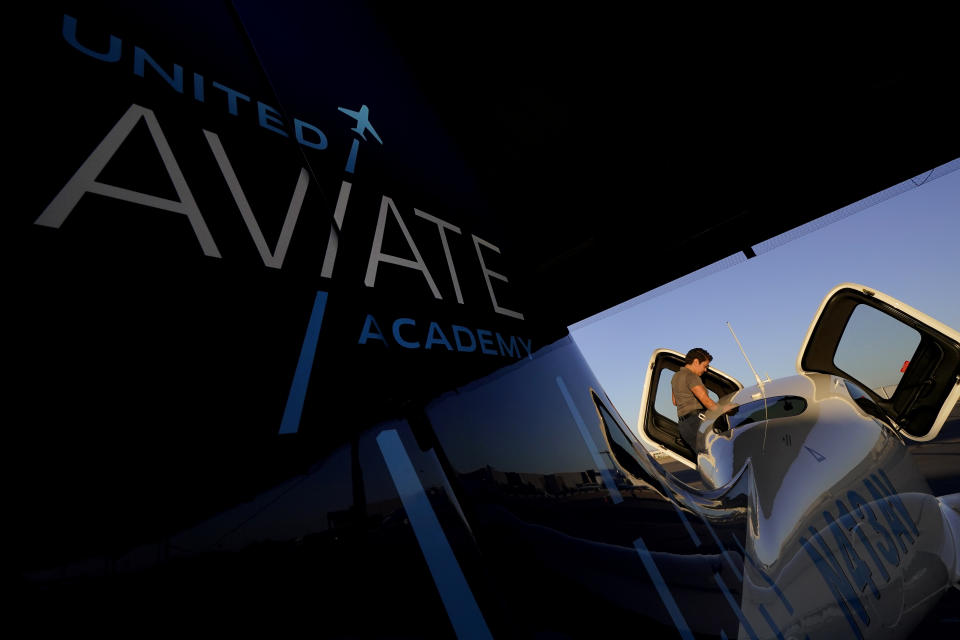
pixel 904 241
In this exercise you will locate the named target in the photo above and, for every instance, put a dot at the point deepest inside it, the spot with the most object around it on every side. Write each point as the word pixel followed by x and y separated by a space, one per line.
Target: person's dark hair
pixel 698 354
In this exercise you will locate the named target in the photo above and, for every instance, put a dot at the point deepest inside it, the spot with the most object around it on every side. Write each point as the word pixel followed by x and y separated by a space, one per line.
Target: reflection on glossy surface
pixel 552 524
pixel 841 519
pixel 813 520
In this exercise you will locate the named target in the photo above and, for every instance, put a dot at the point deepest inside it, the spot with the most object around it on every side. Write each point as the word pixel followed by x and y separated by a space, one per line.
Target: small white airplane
pixel 363 122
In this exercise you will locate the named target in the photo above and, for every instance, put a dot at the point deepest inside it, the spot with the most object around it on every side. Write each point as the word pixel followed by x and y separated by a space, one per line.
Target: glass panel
pixel 758 411
pixel 785 406
pixel 876 349
pixel 623 449
pixel 747 413
pixel 664 402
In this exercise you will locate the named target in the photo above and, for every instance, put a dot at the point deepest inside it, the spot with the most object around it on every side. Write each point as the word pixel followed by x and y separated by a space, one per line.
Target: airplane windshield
pixel 759 410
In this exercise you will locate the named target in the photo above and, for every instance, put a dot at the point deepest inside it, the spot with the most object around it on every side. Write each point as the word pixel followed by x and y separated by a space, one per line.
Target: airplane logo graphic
pixel 363 122
pixel 816 454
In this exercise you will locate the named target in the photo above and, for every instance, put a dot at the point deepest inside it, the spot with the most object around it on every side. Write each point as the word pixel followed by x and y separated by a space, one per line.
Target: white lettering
pixel 84 180
pixel 441 225
pixel 275 258
pixel 487 273
pixel 333 242
pixel 377 256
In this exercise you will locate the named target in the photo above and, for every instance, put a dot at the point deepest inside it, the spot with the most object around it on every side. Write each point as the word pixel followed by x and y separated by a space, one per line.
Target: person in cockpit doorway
pixel 690 396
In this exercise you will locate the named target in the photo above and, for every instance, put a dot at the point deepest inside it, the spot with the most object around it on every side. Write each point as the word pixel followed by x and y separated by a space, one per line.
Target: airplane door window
pixel 876 349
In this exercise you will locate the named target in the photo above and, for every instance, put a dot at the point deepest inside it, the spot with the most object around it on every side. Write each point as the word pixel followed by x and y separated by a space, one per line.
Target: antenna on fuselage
pixel 755 374
pixel 763 445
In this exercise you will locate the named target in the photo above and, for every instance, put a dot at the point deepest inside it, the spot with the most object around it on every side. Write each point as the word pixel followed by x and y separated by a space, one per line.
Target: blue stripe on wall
pixel 301 377
pixel 458 600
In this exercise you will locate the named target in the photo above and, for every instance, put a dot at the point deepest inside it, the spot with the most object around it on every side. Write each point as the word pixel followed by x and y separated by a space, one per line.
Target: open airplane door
pixel 905 361
pixel 657 422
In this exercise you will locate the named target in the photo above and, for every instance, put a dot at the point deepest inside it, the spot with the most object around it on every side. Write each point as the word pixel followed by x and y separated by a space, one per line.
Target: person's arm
pixel 701 393
pixel 673 398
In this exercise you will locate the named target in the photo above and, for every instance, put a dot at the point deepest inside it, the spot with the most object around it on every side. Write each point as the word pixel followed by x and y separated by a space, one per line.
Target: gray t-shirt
pixel 683 381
